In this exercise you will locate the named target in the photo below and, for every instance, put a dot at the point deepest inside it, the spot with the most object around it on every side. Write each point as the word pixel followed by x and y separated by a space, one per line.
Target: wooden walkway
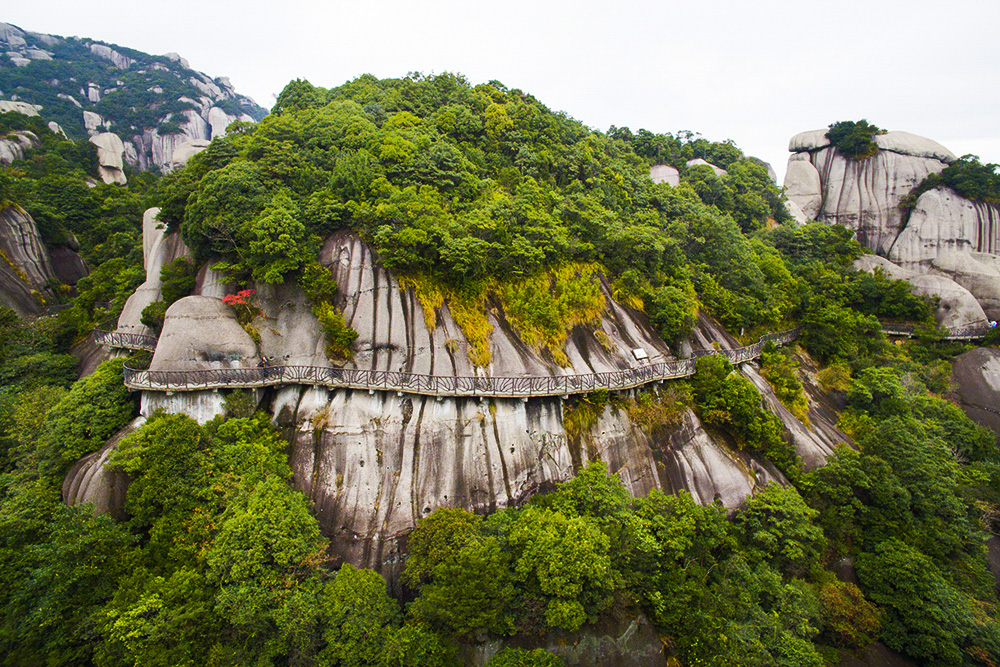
pixel 434 385
pixel 444 385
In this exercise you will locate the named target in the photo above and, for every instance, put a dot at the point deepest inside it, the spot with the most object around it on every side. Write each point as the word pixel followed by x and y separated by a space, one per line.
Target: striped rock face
pixel 375 462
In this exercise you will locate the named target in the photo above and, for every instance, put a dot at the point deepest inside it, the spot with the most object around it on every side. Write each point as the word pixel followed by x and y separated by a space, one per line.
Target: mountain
pixel 157 105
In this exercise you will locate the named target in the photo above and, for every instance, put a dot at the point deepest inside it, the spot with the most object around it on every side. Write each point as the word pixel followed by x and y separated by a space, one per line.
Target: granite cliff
pixel 375 462
pixel 943 234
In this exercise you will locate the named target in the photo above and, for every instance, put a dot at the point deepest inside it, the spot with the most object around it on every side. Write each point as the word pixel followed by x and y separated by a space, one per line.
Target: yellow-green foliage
pixel 543 308
pixel 467 307
pixel 339 336
pixel 835 377
pixel 546 307
pixel 781 370
pixel 580 415
pixel 661 407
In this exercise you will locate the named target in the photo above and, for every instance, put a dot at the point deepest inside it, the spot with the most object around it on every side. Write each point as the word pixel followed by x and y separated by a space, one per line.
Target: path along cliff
pixel 375 462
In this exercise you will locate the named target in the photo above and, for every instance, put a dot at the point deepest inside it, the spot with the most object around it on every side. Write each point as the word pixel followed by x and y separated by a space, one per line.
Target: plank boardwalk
pixel 444 385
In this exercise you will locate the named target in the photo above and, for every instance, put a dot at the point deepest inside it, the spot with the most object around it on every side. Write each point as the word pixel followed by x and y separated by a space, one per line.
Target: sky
pixel 754 72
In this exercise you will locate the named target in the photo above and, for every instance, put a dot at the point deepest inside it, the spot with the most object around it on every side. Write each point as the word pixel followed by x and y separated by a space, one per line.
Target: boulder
pixel 664 173
pixel 19 107
pixel 109 157
pixel 93 122
pixel 943 222
pixel 91 481
pixel 809 141
pixel 803 188
pixel 698 161
pixel 182 153
pixel 978 272
pixel 106 52
pixel 906 143
pixel 14 144
pixel 957 307
pixel 202 333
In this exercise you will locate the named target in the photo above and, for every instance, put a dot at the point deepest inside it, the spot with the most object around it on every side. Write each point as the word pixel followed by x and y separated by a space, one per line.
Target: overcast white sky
pixel 753 72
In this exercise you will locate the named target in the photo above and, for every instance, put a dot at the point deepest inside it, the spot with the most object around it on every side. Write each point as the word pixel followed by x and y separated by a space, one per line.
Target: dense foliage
pixel 967 176
pixel 480 197
pixel 854 139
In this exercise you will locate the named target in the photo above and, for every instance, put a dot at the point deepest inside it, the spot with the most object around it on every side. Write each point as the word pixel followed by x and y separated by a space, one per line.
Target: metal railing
pixel 971 332
pixel 435 385
pixel 125 339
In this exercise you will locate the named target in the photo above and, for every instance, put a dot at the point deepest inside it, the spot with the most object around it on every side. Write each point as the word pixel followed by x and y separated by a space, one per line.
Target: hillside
pixel 420 372
pixel 154 103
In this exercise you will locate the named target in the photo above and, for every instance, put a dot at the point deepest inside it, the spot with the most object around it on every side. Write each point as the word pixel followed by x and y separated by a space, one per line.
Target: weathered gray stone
pixel 976 382
pixel 809 141
pixel 91 481
pixel 957 307
pixel 943 222
pixel 106 52
pixel 906 143
pixel 803 188
pixel 109 157
pixel 664 173
pixel 158 250
pixel 719 171
pixel 978 272
pixel 183 152
pixel 20 107
pixel 14 144
pixel 202 333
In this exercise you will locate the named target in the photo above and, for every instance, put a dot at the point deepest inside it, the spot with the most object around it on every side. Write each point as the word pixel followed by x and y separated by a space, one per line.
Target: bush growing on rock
pixel 854 139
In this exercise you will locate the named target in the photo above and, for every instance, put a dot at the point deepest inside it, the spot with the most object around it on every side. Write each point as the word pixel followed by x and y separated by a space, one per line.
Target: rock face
pixel 943 222
pixel 664 173
pixel 158 249
pixel 25 268
pixel 957 307
pixel 976 378
pixel 90 481
pixel 109 157
pixel 944 234
pixel 375 462
pixel 719 171
pixel 183 152
pixel 861 195
pixel 13 145
pixel 201 333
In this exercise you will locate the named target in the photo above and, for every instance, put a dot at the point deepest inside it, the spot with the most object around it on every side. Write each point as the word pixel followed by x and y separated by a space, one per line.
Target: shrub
pixel 854 139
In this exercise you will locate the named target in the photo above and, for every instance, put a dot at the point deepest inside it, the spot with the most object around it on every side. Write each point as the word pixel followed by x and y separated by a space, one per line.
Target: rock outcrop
pixel 664 173
pixel 374 463
pixel 25 269
pixel 861 195
pixel 14 144
pixel 109 157
pixel 944 234
pixel 957 307
pixel 158 249
pixel 976 381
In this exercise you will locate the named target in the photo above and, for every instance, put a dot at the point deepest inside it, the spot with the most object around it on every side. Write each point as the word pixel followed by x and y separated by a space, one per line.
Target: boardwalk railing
pixel 125 339
pixel 972 332
pixel 435 385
